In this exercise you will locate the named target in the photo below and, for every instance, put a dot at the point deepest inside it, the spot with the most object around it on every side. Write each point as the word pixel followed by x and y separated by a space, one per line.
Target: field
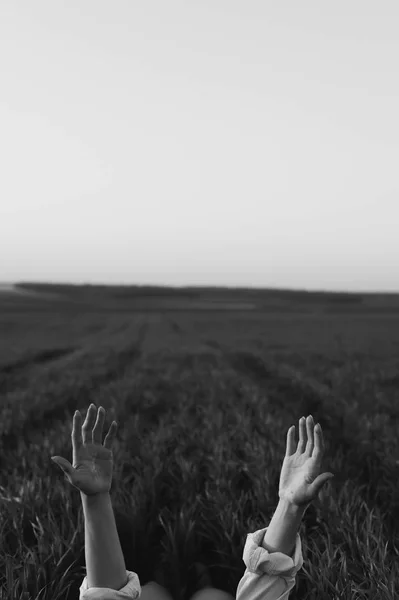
pixel 204 384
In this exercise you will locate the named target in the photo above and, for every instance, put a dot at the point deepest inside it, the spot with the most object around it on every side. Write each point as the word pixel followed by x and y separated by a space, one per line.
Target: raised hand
pixel 301 478
pixel 91 472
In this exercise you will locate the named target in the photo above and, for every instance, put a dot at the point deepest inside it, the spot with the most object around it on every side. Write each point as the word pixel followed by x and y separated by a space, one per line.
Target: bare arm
pixel 300 482
pixel 301 479
pixel 105 563
pixel 283 528
pixel 91 474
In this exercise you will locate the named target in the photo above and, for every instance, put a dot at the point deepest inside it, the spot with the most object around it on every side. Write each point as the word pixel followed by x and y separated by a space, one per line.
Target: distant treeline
pixel 149 297
pixel 110 290
pixel 191 292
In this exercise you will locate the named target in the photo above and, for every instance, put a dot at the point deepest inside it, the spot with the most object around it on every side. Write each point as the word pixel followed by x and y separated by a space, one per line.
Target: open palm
pixel 92 466
pixel 301 478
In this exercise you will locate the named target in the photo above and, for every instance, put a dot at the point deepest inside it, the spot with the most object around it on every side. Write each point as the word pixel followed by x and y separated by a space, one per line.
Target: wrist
pixel 95 500
pixel 290 509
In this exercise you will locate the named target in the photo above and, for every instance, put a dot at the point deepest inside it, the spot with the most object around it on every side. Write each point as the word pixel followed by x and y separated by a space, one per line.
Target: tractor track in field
pixel 50 397
pixel 16 375
pixel 342 424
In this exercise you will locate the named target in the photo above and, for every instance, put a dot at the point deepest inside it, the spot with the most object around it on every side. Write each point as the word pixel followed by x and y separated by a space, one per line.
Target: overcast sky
pixel 223 142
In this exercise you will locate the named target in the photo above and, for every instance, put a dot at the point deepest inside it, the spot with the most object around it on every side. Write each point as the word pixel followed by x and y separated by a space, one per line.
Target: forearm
pixel 283 528
pixel 105 564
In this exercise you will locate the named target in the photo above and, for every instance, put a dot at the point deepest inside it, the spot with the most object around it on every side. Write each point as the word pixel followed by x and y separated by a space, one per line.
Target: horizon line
pixel 203 286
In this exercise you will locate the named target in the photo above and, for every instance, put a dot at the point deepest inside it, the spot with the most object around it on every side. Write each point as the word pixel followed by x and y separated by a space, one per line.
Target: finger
pixel 64 464
pixel 319 483
pixel 290 447
pixel 97 434
pixel 319 442
pixel 309 431
pixel 76 434
pixel 302 436
pixel 110 437
pixel 88 425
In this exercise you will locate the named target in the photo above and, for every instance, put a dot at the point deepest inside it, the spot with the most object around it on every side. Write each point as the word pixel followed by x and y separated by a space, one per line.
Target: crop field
pixel 204 384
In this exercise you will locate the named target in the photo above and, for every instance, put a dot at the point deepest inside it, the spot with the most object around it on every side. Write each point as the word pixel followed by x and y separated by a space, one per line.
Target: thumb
pixel 64 464
pixel 320 481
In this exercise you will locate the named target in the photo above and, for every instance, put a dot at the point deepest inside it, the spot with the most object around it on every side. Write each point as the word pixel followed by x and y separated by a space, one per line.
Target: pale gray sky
pixel 217 142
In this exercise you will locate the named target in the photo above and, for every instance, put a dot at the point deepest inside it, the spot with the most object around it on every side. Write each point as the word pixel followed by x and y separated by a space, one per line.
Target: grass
pixel 203 400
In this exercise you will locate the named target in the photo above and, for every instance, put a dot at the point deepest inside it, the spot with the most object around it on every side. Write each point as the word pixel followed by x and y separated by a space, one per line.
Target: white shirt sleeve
pixel 131 590
pixel 268 575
